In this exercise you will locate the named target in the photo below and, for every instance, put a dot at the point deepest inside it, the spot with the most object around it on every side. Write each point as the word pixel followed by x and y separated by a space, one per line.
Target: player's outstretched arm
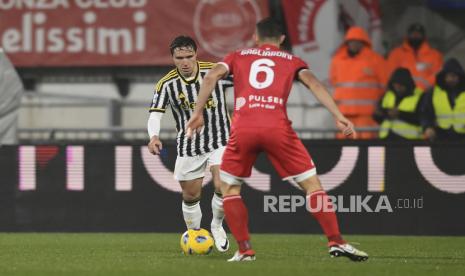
pixel 206 89
pixel 322 94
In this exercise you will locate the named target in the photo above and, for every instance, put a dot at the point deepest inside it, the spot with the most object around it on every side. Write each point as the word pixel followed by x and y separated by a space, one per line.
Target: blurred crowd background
pixel 85 70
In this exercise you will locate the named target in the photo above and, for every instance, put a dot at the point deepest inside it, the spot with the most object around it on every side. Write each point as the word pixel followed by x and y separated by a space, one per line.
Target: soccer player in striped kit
pixel 179 89
pixel 263 78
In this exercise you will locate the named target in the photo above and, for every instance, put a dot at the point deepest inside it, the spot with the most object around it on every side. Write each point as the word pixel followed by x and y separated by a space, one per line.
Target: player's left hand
pixel 346 126
pixel 194 125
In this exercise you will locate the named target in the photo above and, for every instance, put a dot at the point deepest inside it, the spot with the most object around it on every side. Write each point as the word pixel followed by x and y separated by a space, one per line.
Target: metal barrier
pixel 111 117
pixel 120 134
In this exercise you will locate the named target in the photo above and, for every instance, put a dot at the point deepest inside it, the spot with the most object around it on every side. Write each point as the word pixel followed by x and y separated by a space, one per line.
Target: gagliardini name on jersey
pixel 265 53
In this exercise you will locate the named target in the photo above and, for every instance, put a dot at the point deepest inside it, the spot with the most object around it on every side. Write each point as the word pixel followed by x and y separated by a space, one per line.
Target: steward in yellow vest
pixel 443 109
pixel 398 110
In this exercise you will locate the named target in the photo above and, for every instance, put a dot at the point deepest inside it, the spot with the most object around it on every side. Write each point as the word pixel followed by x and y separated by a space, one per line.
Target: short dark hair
pixel 269 28
pixel 183 41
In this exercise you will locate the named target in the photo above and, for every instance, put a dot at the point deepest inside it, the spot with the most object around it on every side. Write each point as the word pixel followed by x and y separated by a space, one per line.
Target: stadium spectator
pixel 418 56
pixel 358 75
pixel 443 110
pixel 399 108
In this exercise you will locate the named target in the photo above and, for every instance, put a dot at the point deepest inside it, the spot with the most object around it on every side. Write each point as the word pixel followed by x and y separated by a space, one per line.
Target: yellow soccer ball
pixel 196 241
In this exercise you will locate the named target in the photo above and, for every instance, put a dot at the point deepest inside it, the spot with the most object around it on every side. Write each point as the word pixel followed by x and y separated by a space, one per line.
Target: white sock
pixel 192 215
pixel 217 210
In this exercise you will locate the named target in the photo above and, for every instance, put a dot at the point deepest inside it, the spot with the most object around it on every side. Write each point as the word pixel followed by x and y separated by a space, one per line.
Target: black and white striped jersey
pixel 181 94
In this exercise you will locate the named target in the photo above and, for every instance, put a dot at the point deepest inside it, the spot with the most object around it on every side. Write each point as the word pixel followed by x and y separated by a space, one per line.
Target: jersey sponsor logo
pixel 240 102
pixel 266 99
pixel 266 102
pixel 186 105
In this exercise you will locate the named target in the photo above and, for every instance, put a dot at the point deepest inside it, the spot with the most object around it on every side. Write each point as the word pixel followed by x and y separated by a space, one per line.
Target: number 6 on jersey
pixel 261 65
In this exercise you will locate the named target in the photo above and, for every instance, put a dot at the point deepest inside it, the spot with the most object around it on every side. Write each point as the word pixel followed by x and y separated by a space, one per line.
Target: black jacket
pixel 401 76
pixel 428 116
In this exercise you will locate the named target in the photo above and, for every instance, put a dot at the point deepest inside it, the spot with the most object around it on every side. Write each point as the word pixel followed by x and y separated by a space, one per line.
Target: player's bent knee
pixel 191 201
pixel 311 184
pixel 305 175
pixel 307 180
pixel 230 190
pixel 230 179
pixel 186 196
pixel 192 191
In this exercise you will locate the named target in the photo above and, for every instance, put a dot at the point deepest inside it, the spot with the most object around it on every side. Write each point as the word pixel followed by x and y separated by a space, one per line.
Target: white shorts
pixel 193 167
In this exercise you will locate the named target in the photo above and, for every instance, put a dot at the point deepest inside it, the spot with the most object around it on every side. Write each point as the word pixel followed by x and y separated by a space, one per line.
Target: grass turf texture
pixel 159 254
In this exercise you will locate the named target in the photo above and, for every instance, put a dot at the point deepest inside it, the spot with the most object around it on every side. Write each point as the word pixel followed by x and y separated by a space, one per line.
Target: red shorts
pixel 282 146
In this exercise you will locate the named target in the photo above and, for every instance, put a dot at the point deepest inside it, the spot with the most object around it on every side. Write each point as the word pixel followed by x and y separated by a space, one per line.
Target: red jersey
pixel 263 78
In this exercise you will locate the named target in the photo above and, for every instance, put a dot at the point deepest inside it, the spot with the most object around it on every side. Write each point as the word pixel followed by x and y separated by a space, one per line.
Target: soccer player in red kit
pixel 263 77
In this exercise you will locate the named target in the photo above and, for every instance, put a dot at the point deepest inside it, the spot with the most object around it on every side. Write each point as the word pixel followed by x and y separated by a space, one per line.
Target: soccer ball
pixel 196 241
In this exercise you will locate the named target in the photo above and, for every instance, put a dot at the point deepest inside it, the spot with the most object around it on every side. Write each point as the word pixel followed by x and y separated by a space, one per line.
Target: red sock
pixel 326 217
pixel 237 218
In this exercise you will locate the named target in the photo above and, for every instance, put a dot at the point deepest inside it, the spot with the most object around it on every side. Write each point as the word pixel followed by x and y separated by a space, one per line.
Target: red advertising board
pixel 316 28
pixel 122 32
pixel 305 18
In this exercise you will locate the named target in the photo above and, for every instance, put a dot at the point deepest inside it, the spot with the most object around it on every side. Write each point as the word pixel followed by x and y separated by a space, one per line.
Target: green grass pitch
pixel 159 254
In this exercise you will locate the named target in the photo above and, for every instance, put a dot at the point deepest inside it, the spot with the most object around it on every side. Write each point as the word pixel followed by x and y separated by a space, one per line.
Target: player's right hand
pixel 155 145
pixel 194 125
pixel 346 126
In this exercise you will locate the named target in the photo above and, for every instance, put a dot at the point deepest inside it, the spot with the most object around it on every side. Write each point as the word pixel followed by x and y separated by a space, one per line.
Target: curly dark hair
pixel 183 41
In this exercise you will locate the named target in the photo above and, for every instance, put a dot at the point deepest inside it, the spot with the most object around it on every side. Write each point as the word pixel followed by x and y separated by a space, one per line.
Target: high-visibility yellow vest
pixel 399 127
pixel 446 117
